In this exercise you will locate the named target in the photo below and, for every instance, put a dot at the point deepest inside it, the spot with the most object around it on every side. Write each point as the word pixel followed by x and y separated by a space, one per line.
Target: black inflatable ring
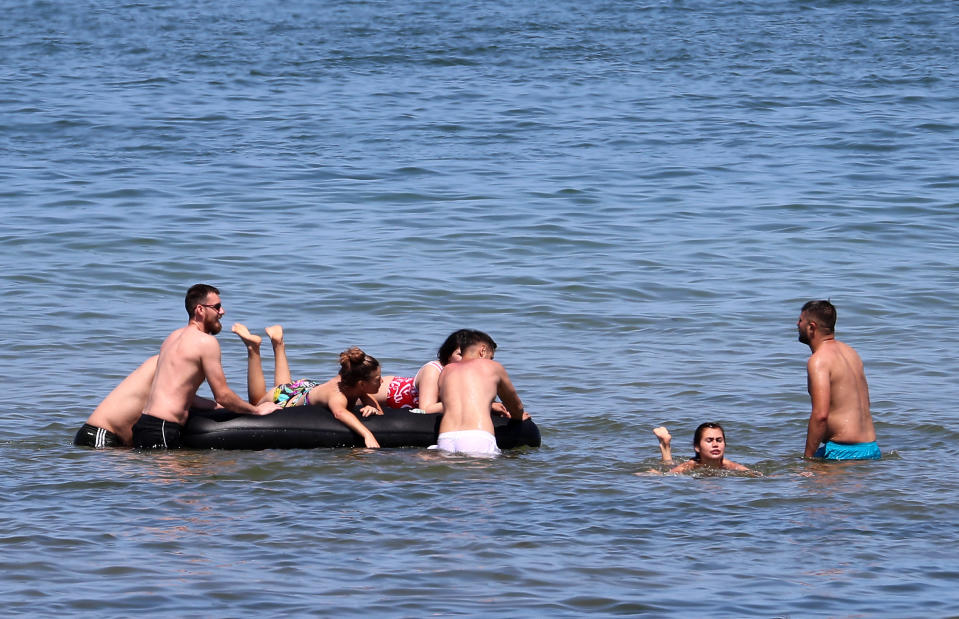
pixel 308 427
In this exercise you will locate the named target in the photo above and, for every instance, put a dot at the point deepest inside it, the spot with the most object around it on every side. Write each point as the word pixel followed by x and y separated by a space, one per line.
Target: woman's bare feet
pixel 664 443
pixel 663 435
pixel 275 333
pixel 251 340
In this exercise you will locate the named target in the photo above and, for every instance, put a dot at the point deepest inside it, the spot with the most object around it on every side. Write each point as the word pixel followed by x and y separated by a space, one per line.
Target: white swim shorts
pixel 472 442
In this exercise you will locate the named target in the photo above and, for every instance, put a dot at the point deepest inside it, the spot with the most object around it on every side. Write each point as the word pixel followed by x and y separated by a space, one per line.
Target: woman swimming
pixel 709 442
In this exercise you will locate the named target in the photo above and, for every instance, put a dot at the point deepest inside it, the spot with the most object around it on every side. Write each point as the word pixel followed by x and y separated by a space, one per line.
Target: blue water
pixel 634 199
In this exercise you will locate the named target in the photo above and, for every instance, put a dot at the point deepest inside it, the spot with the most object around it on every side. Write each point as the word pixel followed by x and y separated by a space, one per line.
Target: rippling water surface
pixel 634 199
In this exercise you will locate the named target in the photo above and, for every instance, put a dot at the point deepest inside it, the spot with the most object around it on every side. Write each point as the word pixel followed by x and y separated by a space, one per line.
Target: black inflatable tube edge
pixel 310 427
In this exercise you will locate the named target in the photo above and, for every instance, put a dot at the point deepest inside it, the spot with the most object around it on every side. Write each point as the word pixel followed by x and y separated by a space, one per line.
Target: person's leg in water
pixel 281 366
pixel 665 444
pixel 255 382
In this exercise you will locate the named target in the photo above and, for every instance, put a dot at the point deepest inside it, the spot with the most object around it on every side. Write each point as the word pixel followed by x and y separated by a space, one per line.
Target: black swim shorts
pixel 92 436
pixel 153 433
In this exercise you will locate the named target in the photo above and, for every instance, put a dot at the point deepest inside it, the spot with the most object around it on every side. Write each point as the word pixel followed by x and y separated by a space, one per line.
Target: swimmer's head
pixel 196 295
pixel 458 341
pixel 357 366
pixel 709 440
pixel 204 307
pixel 823 313
pixel 450 350
pixel 476 345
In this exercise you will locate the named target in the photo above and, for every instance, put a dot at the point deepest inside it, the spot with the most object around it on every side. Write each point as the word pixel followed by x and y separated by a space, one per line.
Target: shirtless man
pixel 188 356
pixel 467 390
pixel 111 423
pixel 837 386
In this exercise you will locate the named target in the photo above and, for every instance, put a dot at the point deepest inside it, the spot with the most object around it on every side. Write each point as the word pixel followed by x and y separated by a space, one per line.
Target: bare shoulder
pixel 173 337
pixel 205 345
pixel 493 366
pixel 474 366
pixel 494 370
pixel 205 338
pixel 821 360
pixel 329 389
pixel 819 356
pixel 849 351
pixel 497 364
pixel 685 467
pixel 428 369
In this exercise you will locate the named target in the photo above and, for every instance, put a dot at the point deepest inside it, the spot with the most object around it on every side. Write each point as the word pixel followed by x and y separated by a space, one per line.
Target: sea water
pixel 633 198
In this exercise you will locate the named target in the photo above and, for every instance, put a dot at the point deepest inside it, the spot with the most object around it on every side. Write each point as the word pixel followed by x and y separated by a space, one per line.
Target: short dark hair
pixel 699 435
pixel 196 294
pixel 462 339
pixel 469 337
pixel 823 313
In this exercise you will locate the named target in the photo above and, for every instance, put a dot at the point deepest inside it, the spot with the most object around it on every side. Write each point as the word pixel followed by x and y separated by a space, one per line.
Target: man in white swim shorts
pixel 467 390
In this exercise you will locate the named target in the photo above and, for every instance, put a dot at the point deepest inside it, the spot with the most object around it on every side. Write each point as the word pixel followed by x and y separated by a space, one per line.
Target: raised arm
pixel 819 392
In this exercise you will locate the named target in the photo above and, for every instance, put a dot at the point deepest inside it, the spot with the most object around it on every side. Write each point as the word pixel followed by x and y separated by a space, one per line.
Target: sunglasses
pixel 215 306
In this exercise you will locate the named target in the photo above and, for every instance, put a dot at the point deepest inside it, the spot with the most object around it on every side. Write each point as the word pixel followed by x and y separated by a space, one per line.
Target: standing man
pixel 188 356
pixel 467 390
pixel 837 386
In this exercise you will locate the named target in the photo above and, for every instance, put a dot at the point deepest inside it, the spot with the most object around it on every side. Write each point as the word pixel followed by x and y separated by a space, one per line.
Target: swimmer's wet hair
pixel 356 365
pixel 196 295
pixel 823 313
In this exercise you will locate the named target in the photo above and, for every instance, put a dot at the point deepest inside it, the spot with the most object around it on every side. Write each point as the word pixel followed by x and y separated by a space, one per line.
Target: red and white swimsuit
pixel 403 393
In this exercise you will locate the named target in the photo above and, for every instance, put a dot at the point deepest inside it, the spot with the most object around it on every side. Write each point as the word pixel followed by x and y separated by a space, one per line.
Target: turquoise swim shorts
pixel 848 451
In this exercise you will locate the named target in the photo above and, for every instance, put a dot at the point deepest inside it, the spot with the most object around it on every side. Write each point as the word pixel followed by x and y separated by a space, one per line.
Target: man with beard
pixel 837 386
pixel 187 357
pixel 111 423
